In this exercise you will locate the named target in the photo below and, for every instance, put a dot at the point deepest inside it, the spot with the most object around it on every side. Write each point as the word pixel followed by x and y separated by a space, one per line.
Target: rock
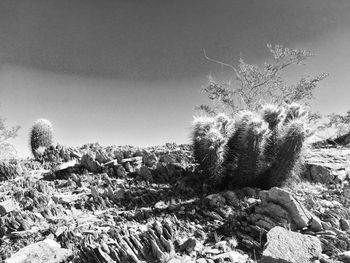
pixel 88 162
pixel 119 193
pixel 345 257
pixel 149 159
pixel 128 167
pixel 189 245
pixel 298 213
pixel 46 251
pixel 75 154
pixel 111 163
pixel 215 200
pixel 8 206
pixel 275 211
pixel 94 193
pixel 118 155
pixel 102 157
pixel 9 170
pixel 231 198
pixel 66 198
pixel 344 224
pixel 180 259
pixel 120 171
pixel 137 159
pixel 320 174
pixel 160 205
pixel 233 256
pixel 66 165
pixel 316 224
pixel 285 246
pixel 145 173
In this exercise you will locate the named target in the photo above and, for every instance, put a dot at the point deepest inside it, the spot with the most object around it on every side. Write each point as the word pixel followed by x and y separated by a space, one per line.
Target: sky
pixel 130 72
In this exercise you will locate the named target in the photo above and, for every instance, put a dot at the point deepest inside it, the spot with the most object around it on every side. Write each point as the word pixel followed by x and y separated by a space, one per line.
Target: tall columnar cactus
pixel 235 142
pixel 208 143
pixel 41 136
pixel 251 151
pixel 259 149
pixel 274 116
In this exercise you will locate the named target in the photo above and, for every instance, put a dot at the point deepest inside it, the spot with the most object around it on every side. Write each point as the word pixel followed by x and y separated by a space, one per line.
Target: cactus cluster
pixel 261 149
pixel 41 137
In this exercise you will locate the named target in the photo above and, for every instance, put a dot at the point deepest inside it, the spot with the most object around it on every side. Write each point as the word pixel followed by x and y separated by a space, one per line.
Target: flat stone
pixel 284 246
pixel 65 165
pixel 46 251
pixel 132 159
pixel 111 163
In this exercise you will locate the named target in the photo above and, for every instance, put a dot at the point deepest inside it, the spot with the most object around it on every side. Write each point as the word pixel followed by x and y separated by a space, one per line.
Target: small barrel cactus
pixel 41 136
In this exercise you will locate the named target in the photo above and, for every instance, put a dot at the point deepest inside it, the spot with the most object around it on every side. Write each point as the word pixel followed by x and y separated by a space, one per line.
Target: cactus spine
pixel 41 136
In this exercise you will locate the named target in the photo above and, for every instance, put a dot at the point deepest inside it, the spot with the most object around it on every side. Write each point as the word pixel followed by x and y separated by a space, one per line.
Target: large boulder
pixel 298 214
pixel 284 246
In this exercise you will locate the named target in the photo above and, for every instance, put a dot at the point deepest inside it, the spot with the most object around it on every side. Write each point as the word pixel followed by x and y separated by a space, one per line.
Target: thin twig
pixel 222 64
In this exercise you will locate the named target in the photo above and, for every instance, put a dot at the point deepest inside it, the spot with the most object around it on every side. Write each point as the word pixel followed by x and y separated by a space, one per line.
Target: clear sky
pixel 131 71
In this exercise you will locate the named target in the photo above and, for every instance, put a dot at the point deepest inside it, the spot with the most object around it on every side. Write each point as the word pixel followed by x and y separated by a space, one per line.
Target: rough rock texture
pixel 299 214
pixel 46 251
pixel 158 209
pixel 284 246
pixel 327 165
pixel 88 162
pixel 10 169
pixel 279 207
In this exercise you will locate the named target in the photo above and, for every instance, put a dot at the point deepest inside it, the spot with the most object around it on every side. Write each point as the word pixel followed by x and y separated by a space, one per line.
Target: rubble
pixel 128 204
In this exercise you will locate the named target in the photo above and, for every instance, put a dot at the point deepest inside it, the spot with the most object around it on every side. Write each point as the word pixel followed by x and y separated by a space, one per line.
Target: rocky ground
pixel 125 204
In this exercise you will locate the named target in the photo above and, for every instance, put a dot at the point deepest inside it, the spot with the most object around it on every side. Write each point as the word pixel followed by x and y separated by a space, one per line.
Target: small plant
pixel 41 136
pixel 7 151
pixel 262 149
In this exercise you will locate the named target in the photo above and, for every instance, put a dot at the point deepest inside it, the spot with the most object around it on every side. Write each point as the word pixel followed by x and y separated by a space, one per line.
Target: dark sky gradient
pixel 154 39
pixel 130 72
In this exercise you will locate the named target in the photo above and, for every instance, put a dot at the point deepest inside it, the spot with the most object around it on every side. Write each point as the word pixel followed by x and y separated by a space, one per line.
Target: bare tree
pixel 6 149
pixel 251 85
